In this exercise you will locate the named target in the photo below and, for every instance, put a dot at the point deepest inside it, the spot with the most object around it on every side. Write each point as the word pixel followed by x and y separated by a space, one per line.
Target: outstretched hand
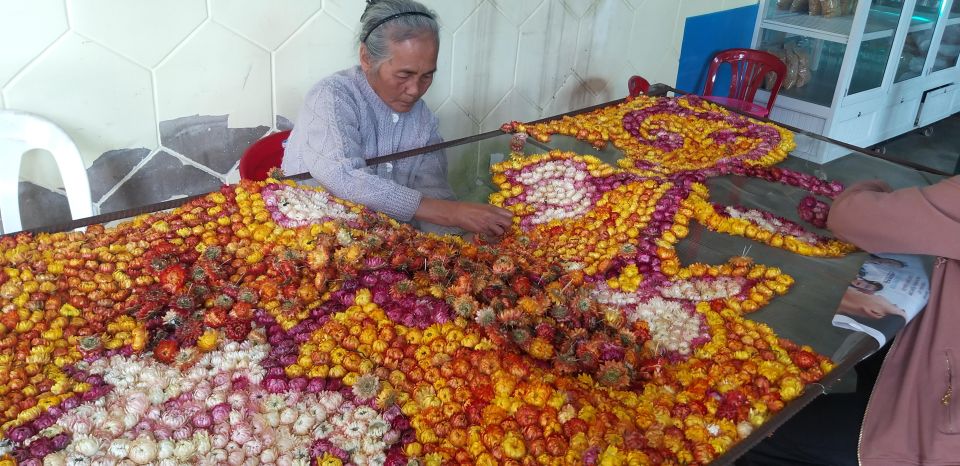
pixel 483 219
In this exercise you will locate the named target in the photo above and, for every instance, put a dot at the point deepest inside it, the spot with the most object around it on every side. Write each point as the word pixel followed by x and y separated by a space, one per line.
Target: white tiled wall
pixel 109 71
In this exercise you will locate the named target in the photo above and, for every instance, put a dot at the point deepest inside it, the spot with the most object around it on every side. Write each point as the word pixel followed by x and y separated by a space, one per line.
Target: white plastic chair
pixel 21 132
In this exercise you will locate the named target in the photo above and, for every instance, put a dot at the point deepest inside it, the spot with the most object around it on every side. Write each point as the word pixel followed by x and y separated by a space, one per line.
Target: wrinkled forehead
pixel 418 53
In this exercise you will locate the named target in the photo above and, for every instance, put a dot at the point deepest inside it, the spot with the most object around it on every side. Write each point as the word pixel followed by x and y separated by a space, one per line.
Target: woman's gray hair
pixel 377 29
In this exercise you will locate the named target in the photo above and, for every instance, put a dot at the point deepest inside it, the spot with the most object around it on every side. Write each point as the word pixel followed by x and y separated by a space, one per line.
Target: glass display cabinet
pixel 861 71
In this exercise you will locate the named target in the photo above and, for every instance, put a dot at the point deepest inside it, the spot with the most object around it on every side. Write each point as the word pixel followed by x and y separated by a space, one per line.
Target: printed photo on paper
pixel 889 291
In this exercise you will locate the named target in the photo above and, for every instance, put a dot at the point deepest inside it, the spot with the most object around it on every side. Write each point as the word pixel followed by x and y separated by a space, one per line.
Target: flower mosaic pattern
pixel 294 207
pixel 215 412
pixel 665 136
pixel 272 323
pixel 681 142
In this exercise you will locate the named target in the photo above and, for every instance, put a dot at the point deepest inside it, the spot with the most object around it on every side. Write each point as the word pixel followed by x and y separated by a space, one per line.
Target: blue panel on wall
pixel 704 36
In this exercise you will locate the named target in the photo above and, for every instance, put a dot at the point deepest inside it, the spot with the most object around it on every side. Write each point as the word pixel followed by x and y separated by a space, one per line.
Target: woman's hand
pixel 483 219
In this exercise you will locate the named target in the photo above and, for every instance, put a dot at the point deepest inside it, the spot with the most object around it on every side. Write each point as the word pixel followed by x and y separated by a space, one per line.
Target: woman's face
pixel 403 78
pixel 863 285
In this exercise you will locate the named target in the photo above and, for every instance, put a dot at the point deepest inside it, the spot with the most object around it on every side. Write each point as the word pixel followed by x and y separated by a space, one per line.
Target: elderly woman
pixel 375 109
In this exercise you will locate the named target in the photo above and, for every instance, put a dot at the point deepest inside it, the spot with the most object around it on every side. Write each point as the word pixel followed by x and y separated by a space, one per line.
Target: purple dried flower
pixel 60 441
pixel 274 385
pixel 20 434
pixel 298 384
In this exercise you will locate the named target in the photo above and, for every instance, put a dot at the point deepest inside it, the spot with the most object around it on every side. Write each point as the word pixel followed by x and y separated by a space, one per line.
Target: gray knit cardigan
pixel 343 123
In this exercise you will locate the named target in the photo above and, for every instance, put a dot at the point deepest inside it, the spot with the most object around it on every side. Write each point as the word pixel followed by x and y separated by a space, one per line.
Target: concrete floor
pixel 940 150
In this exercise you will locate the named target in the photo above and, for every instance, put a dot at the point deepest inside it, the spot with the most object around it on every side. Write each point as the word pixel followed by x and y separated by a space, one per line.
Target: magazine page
pixel 889 291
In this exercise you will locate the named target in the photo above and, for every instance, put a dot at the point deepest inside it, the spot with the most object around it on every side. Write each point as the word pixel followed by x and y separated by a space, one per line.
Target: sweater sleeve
pixel 329 146
pixel 923 220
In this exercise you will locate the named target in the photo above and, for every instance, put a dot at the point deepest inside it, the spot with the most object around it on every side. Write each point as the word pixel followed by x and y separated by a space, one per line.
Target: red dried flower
pixel 172 278
pixel 166 351
pixel 237 330
pixel 804 359
pixel 215 317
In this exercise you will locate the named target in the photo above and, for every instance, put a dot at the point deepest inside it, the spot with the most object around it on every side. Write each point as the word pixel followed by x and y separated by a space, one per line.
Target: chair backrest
pixel 21 132
pixel 748 69
pixel 263 155
pixel 637 85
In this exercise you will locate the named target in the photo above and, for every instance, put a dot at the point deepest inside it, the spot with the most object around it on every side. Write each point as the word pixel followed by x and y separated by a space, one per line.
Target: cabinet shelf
pixel 831 29
pixel 881 23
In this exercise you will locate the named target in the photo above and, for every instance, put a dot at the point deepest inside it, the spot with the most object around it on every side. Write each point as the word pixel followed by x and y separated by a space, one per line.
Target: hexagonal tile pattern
pixel 573 94
pixel 484 61
pixel 550 34
pixel 347 12
pixel 513 107
pixel 101 100
pixel 216 72
pixel 440 88
pixel 323 46
pixel 26 29
pixel 578 7
pixel 601 44
pixel 263 22
pixel 651 25
pixel 517 12
pixel 112 167
pixel 145 32
pixel 40 207
pixel 208 141
pixel 451 15
pixel 142 189
pixel 454 122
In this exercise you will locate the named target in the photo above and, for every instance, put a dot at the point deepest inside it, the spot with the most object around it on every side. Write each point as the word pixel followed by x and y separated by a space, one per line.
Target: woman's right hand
pixel 483 219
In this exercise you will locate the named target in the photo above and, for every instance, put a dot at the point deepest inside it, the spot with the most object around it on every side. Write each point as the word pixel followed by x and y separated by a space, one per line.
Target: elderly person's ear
pixel 366 62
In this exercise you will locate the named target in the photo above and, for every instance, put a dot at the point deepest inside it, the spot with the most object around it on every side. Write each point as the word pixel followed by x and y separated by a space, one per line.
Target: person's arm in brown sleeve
pixel 913 220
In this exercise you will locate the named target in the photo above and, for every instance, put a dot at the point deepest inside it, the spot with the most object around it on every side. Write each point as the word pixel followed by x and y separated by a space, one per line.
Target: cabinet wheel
pixel 927 132
pixel 880 149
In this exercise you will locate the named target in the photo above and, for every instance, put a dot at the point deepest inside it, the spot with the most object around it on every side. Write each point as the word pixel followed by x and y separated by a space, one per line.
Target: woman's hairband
pixel 391 17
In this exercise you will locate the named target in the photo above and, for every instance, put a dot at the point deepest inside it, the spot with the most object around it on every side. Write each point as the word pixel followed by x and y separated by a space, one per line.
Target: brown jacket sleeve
pixel 911 220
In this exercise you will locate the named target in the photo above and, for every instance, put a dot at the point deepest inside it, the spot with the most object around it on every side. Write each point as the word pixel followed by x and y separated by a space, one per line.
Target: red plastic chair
pixel 261 156
pixel 638 85
pixel 748 68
